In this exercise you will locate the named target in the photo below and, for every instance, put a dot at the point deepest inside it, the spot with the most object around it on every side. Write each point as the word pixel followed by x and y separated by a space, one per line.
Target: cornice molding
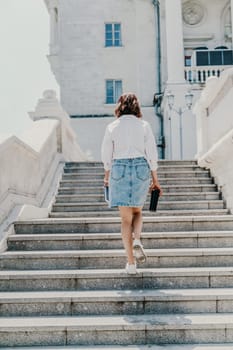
pixel 203 37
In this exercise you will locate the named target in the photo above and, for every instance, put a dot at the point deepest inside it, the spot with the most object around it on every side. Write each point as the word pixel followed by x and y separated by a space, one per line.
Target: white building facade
pixel 101 48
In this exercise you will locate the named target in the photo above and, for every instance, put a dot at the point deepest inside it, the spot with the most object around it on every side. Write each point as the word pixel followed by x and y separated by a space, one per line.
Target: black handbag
pixel 106 194
pixel 154 200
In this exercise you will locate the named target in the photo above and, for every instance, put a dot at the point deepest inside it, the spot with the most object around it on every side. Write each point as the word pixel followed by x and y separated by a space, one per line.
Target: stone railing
pixel 199 74
pixel 32 164
pixel 215 131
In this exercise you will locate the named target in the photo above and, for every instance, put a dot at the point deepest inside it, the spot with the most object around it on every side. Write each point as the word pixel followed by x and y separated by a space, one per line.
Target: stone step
pixel 89 196
pixel 110 225
pixel 161 168
pixel 83 164
pixel 75 179
pixel 161 175
pixel 127 302
pixel 208 346
pixel 166 189
pixel 162 205
pixel 120 330
pixel 117 279
pixel 135 347
pixel 160 162
pixel 84 241
pixel 182 173
pixel 114 213
pixel 114 258
pixel 84 169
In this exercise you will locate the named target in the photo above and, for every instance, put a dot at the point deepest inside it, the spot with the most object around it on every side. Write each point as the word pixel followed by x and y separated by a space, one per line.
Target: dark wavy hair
pixel 128 103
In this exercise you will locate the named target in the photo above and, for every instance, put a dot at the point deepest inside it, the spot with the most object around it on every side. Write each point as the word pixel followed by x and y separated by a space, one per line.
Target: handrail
pixel 29 163
pixel 215 131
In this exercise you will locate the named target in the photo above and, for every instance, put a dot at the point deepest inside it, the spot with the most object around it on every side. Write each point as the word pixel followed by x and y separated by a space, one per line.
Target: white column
pixel 232 22
pixel 175 45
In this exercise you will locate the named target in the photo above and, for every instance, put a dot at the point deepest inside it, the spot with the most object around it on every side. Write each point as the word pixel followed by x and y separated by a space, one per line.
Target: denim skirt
pixel 129 182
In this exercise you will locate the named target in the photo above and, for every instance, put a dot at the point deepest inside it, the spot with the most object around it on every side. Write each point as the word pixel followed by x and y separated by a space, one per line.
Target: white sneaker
pixel 138 251
pixel 131 269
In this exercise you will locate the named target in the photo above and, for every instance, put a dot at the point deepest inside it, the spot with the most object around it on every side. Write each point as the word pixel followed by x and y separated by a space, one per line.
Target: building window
pixel 219 57
pixel 113 90
pixel 188 61
pixel 113 34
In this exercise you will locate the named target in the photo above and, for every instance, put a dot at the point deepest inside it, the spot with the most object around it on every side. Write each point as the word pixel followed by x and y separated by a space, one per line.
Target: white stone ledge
pixel 31 166
pixel 219 160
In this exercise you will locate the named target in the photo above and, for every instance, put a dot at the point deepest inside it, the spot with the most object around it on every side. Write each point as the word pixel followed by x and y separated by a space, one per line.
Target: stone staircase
pixel 62 280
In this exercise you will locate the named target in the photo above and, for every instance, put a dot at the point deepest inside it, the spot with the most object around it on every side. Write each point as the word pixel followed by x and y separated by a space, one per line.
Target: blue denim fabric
pixel 129 182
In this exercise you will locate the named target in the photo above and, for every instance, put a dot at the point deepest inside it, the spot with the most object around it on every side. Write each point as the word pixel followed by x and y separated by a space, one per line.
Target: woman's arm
pixel 106 177
pixel 155 183
pixel 152 157
pixel 106 155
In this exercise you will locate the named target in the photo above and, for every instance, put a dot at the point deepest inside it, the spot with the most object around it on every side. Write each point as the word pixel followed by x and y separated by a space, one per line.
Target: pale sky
pixel 24 69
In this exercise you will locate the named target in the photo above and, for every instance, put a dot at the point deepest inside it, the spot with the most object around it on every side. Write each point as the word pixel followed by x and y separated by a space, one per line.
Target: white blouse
pixel 129 137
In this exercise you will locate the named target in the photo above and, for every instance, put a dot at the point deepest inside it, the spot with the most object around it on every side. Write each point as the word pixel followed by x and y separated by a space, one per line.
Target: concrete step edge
pixel 111 236
pixel 228 346
pixel 117 296
pixel 160 172
pixel 204 201
pixel 95 323
pixel 164 212
pixel 114 253
pixel 170 194
pixel 116 273
pixel 155 219
pixel 161 180
pixel 164 186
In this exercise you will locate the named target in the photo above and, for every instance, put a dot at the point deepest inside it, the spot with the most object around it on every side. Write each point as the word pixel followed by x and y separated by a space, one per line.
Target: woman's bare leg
pixel 126 214
pixel 139 252
pixel 137 222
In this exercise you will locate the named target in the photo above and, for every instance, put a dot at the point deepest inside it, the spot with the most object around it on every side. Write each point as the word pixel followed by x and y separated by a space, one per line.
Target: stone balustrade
pixel 199 74
pixel 215 131
pixel 32 164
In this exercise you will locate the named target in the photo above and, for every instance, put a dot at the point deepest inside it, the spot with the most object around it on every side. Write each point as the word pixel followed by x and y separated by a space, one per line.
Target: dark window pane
pixel 117 43
pixel 202 58
pixel 216 58
pixel 117 35
pixel 110 100
pixel 108 27
pixel 117 27
pixel 109 91
pixel 118 89
pixel 188 61
pixel 108 35
pixel 109 43
pixel 110 86
pixel 227 57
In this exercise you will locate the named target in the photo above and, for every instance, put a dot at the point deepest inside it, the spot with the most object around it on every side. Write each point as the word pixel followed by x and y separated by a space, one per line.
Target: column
pixel 232 22
pixel 175 45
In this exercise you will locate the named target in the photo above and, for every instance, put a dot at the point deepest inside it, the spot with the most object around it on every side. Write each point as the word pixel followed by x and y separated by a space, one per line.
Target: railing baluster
pixel 199 75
